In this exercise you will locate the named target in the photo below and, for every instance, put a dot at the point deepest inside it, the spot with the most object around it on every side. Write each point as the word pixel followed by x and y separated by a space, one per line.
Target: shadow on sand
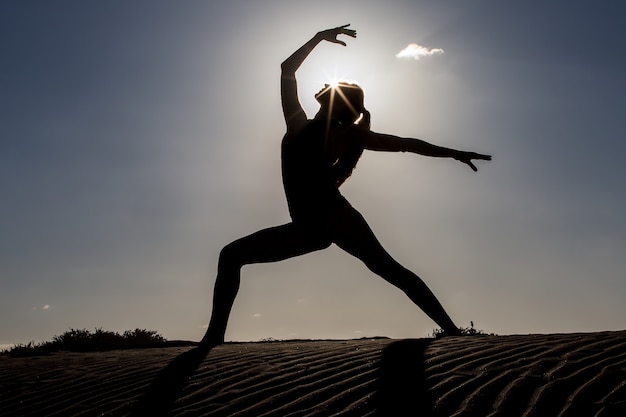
pixel 402 389
pixel 400 385
pixel 169 384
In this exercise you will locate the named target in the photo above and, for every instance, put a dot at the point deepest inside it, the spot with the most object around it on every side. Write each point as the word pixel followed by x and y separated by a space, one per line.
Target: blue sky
pixel 138 138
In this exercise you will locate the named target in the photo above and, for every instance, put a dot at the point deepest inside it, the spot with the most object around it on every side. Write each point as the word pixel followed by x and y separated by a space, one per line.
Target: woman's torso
pixel 308 178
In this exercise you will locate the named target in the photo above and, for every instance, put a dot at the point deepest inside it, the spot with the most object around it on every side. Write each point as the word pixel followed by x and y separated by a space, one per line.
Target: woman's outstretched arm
pixel 390 143
pixel 292 110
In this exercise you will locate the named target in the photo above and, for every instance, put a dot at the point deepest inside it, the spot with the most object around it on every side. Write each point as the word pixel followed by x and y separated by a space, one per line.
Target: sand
pixel 519 375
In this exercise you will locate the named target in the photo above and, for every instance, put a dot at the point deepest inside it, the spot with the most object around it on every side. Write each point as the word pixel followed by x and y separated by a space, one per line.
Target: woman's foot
pixel 454 331
pixel 451 331
pixel 210 340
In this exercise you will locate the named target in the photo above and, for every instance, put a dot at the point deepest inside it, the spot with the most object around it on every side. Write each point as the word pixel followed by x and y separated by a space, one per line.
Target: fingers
pixel 349 32
pixel 331 34
pixel 342 29
pixel 474 155
pixel 467 157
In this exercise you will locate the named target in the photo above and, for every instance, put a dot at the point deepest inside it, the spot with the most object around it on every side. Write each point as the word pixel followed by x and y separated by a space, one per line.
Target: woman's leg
pixel 352 233
pixel 268 245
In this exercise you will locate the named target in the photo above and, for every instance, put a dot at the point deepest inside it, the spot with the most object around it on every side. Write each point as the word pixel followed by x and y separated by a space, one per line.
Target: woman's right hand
pixel 330 35
pixel 466 158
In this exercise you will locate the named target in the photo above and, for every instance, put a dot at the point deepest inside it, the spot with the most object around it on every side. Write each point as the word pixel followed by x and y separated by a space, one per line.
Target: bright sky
pixel 138 138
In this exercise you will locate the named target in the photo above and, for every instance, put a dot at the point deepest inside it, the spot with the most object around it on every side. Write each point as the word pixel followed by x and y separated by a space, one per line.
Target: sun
pixel 333 83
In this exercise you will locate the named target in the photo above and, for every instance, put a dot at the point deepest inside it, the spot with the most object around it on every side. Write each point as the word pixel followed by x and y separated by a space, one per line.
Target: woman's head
pixel 343 102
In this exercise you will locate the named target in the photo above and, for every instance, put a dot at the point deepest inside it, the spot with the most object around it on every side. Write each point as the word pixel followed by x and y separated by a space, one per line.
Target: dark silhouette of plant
pixel 83 340
pixel 465 331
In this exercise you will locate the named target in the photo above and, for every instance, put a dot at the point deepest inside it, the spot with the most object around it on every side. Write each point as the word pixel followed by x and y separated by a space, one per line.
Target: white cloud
pixel 46 307
pixel 415 51
pixel 256 315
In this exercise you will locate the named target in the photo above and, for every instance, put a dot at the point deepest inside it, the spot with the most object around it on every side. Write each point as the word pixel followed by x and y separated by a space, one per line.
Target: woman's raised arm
pixel 292 109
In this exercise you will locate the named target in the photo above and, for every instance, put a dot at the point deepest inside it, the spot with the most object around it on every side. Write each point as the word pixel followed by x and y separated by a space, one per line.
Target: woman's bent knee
pixel 230 256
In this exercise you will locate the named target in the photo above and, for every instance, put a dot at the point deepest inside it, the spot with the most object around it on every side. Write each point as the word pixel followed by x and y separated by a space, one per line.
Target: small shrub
pixel 82 340
pixel 25 349
pixel 269 340
pixel 142 336
pixel 465 331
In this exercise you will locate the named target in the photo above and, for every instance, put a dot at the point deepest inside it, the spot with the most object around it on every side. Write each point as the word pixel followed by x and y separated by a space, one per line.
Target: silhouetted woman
pixel 317 156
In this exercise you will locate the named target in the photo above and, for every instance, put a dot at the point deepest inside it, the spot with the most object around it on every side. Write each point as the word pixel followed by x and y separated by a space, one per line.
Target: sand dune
pixel 526 375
